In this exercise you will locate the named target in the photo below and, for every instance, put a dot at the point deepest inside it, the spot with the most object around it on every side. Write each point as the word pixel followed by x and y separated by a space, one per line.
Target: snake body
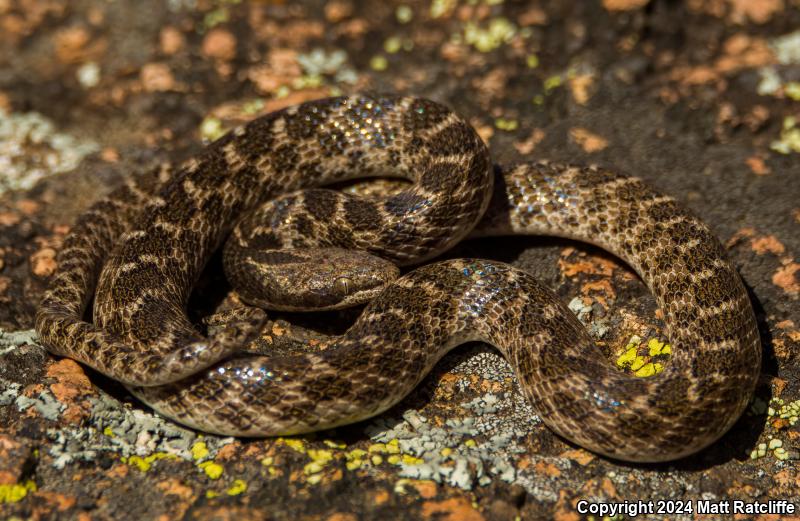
pixel 161 229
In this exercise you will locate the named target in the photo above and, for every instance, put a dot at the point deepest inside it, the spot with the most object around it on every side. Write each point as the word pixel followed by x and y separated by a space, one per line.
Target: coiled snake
pixel 139 252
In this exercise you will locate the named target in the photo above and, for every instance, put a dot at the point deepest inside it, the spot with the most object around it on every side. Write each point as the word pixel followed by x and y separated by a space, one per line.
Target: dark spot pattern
pixel 138 253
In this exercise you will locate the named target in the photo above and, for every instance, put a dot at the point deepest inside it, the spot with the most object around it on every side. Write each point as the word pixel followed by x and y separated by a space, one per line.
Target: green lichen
pixel 211 129
pixel 553 82
pixel 404 14
pixel 392 44
pixel 378 63
pixel 775 446
pixel 485 39
pixel 508 125
pixel 308 81
pixel 441 8
pixel 253 107
pixel 790 137
pixel 786 411
pixel 215 17
pixel 792 90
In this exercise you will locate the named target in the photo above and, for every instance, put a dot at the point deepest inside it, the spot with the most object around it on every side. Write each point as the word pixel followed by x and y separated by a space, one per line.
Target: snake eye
pixel 342 286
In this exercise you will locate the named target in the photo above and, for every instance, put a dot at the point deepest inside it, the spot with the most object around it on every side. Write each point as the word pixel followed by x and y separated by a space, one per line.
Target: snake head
pixel 310 279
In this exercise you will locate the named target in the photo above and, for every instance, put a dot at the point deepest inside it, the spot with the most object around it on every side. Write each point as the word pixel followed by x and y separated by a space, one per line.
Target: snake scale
pixel 139 251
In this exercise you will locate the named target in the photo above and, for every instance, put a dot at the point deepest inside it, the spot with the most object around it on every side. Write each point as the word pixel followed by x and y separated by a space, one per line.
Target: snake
pixel 138 252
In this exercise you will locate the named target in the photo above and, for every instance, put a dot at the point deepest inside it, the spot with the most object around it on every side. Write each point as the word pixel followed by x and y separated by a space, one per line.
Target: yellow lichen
pixel 553 82
pixel 213 470
pixel 145 463
pixel 313 467
pixel 408 459
pixel 378 63
pixel 627 357
pixel 16 492
pixel 320 458
pixel 506 124
pixel 355 459
pixel 320 455
pixel 199 450
pixel 400 486
pixel 334 444
pixel 392 44
pixel 792 90
pixel 641 365
pixel 239 486
pixel 649 369
pixel 658 348
pixel 108 431
pixel 295 444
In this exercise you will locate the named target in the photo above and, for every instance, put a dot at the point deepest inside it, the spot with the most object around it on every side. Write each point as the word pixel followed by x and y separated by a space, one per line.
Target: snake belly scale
pixel 139 252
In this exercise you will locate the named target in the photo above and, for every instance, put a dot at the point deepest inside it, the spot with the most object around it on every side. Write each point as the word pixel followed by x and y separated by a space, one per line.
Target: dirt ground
pixel 700 98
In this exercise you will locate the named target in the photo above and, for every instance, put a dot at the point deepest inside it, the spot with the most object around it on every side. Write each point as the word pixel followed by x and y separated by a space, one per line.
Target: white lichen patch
pixel 11 393
pixel 10 340
pixel 787 48
pixel 31 148
pixel 115 428
pixel 319 64
pixel 129 433
pixel 469 450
